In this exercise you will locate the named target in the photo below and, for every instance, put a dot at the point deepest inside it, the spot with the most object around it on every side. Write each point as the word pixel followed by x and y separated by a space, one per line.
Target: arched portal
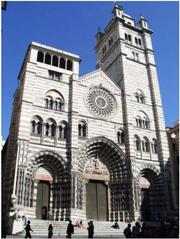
pixel 51 193
pixel 150 195
pixel 103 165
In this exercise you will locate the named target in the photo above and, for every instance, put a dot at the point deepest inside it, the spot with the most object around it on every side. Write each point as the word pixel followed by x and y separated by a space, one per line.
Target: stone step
pixel 102 229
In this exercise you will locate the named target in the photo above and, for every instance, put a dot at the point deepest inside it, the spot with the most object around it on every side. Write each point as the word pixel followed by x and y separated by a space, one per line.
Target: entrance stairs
pixel 102 229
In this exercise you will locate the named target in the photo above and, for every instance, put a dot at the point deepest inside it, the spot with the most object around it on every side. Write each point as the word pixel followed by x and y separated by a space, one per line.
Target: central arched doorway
pixel 108 190
pixel 96 200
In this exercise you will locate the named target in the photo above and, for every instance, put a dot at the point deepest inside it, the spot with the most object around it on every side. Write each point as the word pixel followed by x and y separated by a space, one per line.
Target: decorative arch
pixel 142 120
pixel 50 158
pixel 54 100
pixel 139 168
pixel 106 151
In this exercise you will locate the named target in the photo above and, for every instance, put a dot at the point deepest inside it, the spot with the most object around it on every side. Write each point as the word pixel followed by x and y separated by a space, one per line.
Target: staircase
pixel 102 229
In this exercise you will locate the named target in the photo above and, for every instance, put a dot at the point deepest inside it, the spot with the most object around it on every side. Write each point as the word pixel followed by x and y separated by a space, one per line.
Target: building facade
pixel 90 147
pixel 173 139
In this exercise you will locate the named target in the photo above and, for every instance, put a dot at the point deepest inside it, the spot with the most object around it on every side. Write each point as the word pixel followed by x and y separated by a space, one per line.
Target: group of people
pixel 151 231
pixel 70 228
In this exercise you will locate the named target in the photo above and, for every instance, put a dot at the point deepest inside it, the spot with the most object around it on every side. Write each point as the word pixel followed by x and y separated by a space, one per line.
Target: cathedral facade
pixel 89 147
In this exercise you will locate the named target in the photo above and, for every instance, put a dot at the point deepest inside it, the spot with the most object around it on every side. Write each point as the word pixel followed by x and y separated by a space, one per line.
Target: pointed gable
pixel 98 77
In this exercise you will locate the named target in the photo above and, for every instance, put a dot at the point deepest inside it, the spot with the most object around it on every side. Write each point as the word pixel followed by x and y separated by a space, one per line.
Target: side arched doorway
pixel 51 188
pixel 103 166
pixel 151 195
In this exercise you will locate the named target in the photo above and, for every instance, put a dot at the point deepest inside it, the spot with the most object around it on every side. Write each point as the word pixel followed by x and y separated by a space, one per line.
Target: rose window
pixel 100 102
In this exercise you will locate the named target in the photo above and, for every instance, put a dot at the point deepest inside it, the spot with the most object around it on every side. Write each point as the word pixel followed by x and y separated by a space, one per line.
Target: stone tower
pixel 90 147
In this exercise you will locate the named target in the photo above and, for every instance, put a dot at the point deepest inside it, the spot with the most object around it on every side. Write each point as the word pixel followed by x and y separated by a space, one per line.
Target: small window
pixel 55 61
pixel 62 63
pixel 120 137
pixel 104 49
pixel 129 23
pixel 69 65
pixel 54 75
pixel 126 36
pixel 40 56
pixel 139 42
pixel 48 59
pixel 82 129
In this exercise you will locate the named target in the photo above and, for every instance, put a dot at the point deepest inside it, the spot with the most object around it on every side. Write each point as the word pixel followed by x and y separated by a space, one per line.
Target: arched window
pixel 62 63
pixel 120 136
pixel 137 97
pixel 140 96
pixel 82 129
pixel 63 130
pixel 50 104
pixel 154 146
pixel 36 125
pixel 69 65
pixel 33 127
pixel 138 122
pixel 146 145
pixel 137 143
pixel 53 130
pixel 54 100
pixel 40 56
pixel 39 128
pixel 46 103
pixel 47 129
pixel 142 120
pixel 60 132
pixel 48 59
pixel 50 128
pixel 55 61
pixel 129 37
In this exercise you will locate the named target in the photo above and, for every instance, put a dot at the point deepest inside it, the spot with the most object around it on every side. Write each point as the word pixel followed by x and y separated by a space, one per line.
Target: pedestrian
pixel 136 230
pixel 127 231
pixel 90 229
pixel 28 229
pixel 4 229
pixel 70 229
pixel 81 224
pixel 50 231
pixel 77 224
pixel 116 225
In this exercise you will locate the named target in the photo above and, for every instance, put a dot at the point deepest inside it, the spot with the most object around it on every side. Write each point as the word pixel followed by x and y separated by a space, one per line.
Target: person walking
pixel 50 231
pixel 70 229
pixel 127 231
pixel 28 230
pixel 90 229
pixel 136 231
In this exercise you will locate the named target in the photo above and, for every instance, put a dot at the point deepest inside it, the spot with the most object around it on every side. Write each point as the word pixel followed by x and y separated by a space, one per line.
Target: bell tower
pixel 124 52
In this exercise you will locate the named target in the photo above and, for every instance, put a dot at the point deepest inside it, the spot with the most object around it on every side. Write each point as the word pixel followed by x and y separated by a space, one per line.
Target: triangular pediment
pixel 99 77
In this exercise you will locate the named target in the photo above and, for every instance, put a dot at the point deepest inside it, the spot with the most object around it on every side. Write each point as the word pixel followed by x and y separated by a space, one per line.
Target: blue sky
pixel 71 26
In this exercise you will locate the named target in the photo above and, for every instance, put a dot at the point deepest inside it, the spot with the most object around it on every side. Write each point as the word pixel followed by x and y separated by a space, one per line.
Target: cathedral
pixel 90 147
